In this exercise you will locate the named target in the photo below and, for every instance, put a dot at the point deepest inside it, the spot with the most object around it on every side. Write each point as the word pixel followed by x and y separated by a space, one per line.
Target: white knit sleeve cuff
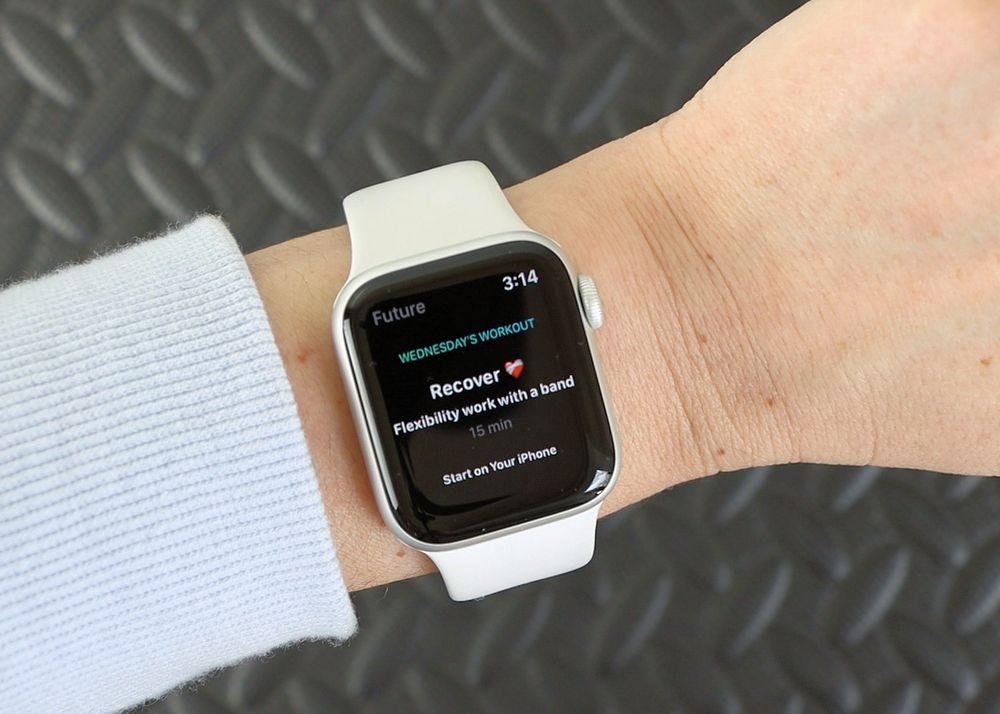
pixel 159 513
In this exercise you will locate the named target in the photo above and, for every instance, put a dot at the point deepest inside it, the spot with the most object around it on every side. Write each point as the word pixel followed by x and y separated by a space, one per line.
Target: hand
pixel 840 187
pixel 802 264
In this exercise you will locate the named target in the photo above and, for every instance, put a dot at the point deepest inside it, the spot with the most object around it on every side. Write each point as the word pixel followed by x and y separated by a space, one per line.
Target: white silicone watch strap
pixel 522 557
pixel 427 210
pixel 416 214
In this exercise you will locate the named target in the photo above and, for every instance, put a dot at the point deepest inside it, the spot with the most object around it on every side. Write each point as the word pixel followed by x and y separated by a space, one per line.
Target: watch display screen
pixel 482 392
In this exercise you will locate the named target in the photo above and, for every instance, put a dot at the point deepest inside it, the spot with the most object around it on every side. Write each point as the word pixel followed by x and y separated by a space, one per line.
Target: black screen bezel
pixel 395 480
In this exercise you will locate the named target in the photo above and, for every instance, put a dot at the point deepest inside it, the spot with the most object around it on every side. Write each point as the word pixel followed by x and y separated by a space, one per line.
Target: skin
pixel 802 264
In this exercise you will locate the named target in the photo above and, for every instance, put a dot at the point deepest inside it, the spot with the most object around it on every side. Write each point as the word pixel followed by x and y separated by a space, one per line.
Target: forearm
pixel 745 325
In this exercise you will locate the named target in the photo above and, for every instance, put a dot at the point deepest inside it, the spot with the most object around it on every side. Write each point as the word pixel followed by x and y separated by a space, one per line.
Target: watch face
pixel 482 391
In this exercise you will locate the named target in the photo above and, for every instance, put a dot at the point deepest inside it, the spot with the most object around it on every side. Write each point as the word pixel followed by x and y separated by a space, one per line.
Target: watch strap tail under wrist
pixel 538 552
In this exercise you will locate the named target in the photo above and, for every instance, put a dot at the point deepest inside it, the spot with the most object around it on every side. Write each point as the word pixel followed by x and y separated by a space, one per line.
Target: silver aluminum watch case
pixel 361 407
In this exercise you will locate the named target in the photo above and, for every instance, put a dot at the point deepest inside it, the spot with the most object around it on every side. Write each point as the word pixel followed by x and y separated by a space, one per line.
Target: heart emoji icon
pixel 514 368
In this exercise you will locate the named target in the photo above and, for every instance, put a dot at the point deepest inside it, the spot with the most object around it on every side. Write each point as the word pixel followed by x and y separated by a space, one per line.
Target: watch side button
pixel 590 301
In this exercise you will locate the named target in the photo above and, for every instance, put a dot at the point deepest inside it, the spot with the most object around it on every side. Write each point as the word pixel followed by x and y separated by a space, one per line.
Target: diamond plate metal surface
pixel 791 590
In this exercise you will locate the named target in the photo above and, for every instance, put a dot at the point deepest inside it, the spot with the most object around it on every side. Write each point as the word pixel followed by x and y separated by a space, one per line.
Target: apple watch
pixel 466 345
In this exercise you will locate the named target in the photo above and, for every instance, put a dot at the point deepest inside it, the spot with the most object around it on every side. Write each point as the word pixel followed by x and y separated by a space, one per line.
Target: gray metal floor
pixel 801 589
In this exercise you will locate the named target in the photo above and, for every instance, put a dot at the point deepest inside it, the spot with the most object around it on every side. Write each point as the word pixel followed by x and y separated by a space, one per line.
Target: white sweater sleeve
pixel 159 513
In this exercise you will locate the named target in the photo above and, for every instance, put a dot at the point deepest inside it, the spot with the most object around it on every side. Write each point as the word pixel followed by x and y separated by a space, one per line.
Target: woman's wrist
pixel 623 216
pixel 626 214
pixel 298 281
